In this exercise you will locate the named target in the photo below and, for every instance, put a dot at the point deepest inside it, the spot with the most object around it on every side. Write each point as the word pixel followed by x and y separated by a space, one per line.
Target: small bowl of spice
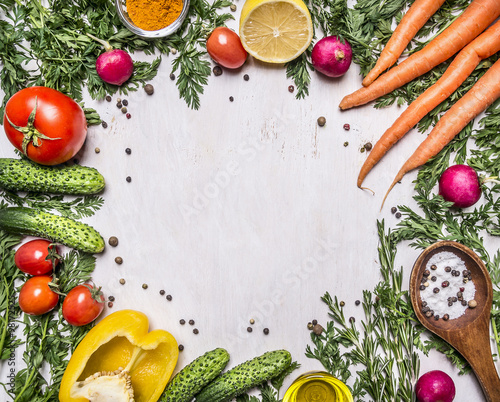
pixel 152 19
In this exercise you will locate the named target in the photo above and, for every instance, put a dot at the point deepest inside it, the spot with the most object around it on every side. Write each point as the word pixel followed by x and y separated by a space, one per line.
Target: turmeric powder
pixel 152 15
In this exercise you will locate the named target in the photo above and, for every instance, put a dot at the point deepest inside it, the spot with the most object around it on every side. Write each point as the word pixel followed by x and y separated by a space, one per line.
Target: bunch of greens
pixel 48 45
pixel 45 353
pixel 382 349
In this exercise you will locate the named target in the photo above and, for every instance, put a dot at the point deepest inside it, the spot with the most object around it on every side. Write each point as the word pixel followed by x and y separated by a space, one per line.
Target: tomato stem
pixel 30 133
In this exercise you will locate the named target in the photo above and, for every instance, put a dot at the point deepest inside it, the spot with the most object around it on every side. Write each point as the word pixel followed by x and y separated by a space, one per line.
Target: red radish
pixel 114 66
pixel 435 386
pixel 460 184
pixel 332 56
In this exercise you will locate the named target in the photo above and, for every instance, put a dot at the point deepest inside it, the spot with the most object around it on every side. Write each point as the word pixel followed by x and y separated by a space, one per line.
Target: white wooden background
pixel 245 209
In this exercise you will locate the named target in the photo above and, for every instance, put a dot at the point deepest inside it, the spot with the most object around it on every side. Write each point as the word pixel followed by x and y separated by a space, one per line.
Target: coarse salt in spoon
pixel 469 332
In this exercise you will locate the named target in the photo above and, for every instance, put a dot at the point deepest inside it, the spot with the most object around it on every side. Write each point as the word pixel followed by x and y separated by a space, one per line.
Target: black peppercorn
pixel 181 347
pixel 393 210
pixel 169 297
pixel 422 287
pixel 113 241
pixel 191 322
pixel 433 279
pixel 231 99
pixel 172 76
pixel 119 260
pixel 249 329
pixel 314 322
pixel 447 269
pixel 266 331
pixel 426 272
pixel 108 98
pixel 182 321
pixel 129 179
pixel 435 290
pixel 162 292
pixel 357 302
pixel 128 151
pixel 368 146
pixel 217 71
pixel 104 124
pixel 195 331
pixel 149 89
pixel 433 267
pixel 246 77
pixel 125 102
pixel 347 127
pixel 119 105
pixel 398 215
pixel 446 317
pixel 111 298
pixel 321 121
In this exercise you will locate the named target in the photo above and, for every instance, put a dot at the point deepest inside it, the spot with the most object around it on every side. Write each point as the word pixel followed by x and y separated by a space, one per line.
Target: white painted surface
pixel 245 209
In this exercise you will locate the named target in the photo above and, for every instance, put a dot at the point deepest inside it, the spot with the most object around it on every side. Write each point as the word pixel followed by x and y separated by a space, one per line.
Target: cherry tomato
pixel 36 297
pixel 82 305
pixel 45 125
pixel 31 257
pixel 225 48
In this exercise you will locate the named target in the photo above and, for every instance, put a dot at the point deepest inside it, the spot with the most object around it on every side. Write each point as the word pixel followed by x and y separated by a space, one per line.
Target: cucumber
pixel 245 376
pixel 24 175
pixel 32 222
pixel 196 375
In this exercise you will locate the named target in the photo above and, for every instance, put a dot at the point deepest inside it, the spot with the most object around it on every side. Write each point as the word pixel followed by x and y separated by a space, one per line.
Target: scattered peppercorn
pixel 124 110
pixel 181 347
pixel 347 127
pixel 398 215
pixel 119 260
pixel 128 115
pixel 346 144
pixel 291 88
pixel 445 284
pixel 122 281
pixel 217 70
pixel 310 326
pixel 195 331
pixel 172 76
pixel 352 319
pixel 357 302
pixel 113 241
pixel 125 102
pixel 149 89
pixel 434 279
pixel 191 322
pixel 233 7
pixel 318 329
pixel 393 210
pixel 231 99
pixel 249 329
pixel 435 290
pixel 314 322
pixel 119 105
pixel 342 303
pixel 97 150
pixel 182 321
pixel 266 331
pixel 104 124
pixel 321 121
pixel 162 292
pixel 472 303
pixel 446 317
pixel 129 179
pixel 111 298
pixel 108 98
pixel 368 146
pixel 118 100
pixel 144 285
pixel 246 77
pixel 252 321
pixel 433 267
pixel 110 304
pixel 169 297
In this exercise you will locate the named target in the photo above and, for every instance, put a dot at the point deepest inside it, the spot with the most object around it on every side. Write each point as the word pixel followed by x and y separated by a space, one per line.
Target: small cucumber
pixel 196 375
pixel 32 222
pixel 245 376
pixel 24 175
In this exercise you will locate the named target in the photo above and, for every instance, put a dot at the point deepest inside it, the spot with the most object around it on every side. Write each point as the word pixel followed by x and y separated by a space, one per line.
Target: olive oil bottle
pixel 317 386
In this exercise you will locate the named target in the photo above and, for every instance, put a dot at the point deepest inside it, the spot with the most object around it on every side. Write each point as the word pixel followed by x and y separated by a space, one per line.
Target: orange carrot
pixel 474 20
pixel 415 18
pixel 484 46
pixel 484 92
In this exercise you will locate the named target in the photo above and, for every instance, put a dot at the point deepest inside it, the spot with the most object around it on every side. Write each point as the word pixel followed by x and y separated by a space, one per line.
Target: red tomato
pixel 57 117
pixel 82 305
pixel 31 257
pixel 224 46
pixel 36 297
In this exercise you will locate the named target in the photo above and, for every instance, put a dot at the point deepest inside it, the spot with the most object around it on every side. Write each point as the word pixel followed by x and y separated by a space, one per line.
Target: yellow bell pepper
pixel 118 354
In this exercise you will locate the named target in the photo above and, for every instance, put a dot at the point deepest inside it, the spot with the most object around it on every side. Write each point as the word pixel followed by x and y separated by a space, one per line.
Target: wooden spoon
pixel 469 334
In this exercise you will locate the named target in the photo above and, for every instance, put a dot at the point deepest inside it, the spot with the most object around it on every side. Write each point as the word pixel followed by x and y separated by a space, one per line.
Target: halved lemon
pixel 275 31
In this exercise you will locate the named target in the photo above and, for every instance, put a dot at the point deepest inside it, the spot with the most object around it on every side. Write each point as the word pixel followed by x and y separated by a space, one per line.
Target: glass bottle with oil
pixel 317 386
